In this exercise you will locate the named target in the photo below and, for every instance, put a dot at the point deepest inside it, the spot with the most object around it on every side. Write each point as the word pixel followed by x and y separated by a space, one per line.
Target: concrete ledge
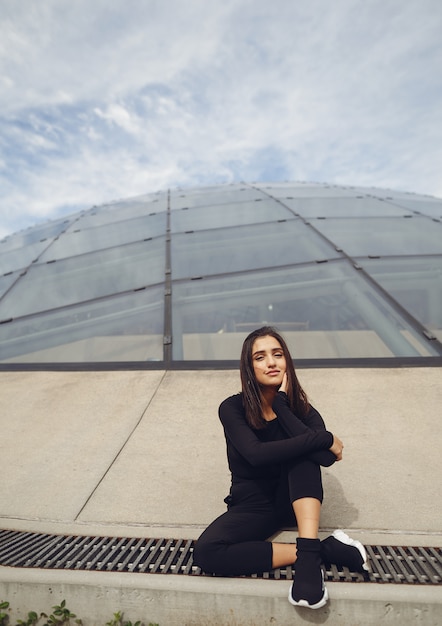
pixel 402 537
pixel 199 601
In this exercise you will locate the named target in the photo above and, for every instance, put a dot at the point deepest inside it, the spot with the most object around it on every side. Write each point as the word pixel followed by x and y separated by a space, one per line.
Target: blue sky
pixel 115 98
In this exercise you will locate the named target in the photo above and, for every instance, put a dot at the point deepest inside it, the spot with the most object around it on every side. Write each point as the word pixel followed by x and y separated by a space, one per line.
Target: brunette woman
pixel 276 445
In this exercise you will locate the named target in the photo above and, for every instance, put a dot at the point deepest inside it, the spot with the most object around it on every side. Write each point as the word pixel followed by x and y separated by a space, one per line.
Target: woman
pixel 276 443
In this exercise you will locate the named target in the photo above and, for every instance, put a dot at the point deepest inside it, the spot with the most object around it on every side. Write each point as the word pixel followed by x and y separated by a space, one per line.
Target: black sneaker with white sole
pixel 296 600
pixel 308 589
pixel 343 551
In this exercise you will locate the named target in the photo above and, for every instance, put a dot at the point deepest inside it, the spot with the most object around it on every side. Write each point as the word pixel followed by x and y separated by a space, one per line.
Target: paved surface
pixel 142 453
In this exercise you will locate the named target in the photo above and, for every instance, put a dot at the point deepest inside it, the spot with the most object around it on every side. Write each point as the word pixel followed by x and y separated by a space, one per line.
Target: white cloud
pixel 121 116
pixel 103 100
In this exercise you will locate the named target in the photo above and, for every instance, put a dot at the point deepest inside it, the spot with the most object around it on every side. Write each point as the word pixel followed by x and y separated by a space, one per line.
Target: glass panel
pixel 106 236
pixel 7 280
pixel 226 250
pixel 236 214
pixel 122 328
pixel 307 190
pixel 359 206
pixel 433 208
pixel 383 236
pixel 41 233
pixel 21 258
pixel 118 211
pixel 214 195
pixel 325 311
pixel 415 283
pixel 87 277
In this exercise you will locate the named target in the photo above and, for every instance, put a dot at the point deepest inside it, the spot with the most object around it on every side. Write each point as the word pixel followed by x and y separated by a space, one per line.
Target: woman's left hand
pixel 283 386
pixel 337 448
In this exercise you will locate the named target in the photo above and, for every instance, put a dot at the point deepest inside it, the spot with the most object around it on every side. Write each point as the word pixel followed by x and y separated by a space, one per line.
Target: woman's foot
pixel 343 551
pixel 308 587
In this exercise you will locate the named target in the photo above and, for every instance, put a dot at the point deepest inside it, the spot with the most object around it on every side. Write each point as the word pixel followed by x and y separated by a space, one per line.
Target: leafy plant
pixel 61 616
pixel 119 621
pixel 3 615
pixel 32 619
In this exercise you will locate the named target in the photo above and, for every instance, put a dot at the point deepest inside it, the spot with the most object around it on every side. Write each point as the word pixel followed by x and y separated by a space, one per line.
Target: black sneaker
pixel 343 551
pixel 297 601
pixel 308 587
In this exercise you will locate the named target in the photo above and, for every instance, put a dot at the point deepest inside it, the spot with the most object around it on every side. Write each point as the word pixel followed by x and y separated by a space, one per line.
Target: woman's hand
pixel 284 385
pixel 337 448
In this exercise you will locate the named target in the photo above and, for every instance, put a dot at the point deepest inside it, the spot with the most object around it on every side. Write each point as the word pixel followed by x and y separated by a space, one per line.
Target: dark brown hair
pixel 251 391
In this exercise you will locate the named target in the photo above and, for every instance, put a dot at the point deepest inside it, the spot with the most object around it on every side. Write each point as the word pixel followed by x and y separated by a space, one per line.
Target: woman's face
pixel 268 360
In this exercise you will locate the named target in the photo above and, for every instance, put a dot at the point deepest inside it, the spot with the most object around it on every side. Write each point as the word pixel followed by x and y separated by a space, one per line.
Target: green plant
pixel 61 616
pixel 118 621
pixel 3 615
pixel 32 619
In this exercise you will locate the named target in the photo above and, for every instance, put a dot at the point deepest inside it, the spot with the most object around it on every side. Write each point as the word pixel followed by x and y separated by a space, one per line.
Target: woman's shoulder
pixel 235 400
pixel 231 411
pixel 232 402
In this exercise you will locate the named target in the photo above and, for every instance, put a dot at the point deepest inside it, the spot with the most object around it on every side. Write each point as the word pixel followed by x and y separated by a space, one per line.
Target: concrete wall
pixel 191 601
pixel 146 449
pixel 142 454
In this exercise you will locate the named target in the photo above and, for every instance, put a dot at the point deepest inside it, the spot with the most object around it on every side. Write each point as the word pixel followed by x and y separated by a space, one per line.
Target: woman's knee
pixel 305 480
pixel 206 554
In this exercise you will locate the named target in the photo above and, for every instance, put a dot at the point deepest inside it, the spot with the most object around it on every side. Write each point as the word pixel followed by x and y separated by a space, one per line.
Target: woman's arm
pixel 257 452
pixel 293 425
pixel 312 420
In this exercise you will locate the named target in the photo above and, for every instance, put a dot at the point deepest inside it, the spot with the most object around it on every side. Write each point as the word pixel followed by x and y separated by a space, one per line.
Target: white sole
pixel 341 536
pixel 322 602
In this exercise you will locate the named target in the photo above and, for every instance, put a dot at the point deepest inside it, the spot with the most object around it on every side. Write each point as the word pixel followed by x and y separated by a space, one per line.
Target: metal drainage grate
pixel 389 564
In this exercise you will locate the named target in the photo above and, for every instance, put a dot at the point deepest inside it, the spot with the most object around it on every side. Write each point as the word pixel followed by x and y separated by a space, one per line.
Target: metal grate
pixel 389 564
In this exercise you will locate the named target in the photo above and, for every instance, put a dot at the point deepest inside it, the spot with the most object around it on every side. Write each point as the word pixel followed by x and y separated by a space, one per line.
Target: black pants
pixel 235 543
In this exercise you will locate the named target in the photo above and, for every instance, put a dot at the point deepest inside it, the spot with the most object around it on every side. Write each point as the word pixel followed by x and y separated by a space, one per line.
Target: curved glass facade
pixel 184 275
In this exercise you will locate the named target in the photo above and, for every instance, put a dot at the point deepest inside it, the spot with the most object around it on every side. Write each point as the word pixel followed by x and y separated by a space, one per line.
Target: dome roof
pixel 184 275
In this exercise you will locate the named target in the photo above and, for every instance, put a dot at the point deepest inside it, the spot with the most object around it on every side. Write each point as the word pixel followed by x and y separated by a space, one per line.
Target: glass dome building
pixel 178 278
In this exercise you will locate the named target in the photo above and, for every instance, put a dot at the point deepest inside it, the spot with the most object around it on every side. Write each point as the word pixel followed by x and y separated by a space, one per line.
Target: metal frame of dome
pixel 178 278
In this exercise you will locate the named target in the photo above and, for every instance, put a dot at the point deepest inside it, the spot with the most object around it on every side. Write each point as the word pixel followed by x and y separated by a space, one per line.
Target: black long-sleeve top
pixel 255 453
